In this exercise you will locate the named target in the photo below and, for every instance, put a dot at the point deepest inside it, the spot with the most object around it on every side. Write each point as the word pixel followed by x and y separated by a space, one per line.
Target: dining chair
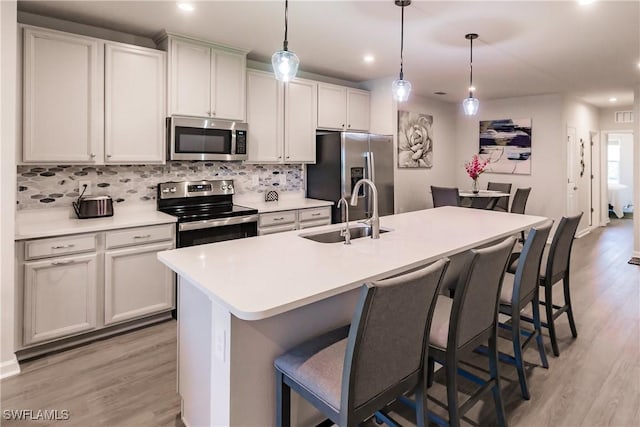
pixel 519 290
pixel 502 203
pixel 555 267
pixel 445 196
pixel 466 321
pixel 350 373
pixel 519 203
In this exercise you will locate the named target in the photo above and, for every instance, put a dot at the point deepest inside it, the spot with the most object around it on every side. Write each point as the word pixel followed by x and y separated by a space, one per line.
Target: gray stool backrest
pixel 388 334
pixel 445 196
pixel 560 250
pixel 475 303
pixel 503 202
pixel 520 200
pixel 528 272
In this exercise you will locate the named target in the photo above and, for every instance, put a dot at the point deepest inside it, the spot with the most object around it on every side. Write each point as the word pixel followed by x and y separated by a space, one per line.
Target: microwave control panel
pixel 241 142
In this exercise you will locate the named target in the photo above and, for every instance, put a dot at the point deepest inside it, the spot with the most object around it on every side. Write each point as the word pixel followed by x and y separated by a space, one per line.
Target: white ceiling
pixel 524 48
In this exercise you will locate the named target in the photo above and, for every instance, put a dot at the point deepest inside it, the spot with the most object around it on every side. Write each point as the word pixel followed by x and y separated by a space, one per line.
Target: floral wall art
pixel 506 144
pixel 415 140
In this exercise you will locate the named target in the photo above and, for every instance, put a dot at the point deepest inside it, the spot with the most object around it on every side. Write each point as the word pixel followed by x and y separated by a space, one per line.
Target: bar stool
pixel 466 321
pixel 519 290
pixel 352 372
pixel 555 267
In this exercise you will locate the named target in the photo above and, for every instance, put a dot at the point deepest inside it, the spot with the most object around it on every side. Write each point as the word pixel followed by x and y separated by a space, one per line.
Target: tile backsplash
pixel 45 186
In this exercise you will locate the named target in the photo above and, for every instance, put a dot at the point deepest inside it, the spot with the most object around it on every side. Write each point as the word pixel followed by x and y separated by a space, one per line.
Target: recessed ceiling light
pixel 369 58
pixel 613 99
pixel 638 64
pixel 585 2
pixel 187 7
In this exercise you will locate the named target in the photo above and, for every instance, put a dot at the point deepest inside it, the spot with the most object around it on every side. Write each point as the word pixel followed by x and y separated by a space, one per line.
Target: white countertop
pixel 285 203
pixel 260 277
pixel 48 222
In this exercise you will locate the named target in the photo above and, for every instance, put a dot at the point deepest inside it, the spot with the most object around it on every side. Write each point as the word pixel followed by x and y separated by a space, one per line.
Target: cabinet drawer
pixel 139 236
pixel 276 229
pixel 316 223
pixel 56 246
pixel 315 214
pixel 277 218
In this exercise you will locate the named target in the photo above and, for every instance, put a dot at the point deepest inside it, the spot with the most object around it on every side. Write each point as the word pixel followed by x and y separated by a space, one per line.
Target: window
pixel 613 159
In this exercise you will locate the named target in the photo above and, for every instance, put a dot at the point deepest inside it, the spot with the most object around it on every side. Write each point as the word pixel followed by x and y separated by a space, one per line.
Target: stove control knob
pixel 230 187
pixel 223 187
pixel 173 189
pixel 165 190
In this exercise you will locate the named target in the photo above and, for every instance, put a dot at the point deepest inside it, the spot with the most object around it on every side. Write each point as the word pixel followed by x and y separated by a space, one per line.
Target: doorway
pixel 618 181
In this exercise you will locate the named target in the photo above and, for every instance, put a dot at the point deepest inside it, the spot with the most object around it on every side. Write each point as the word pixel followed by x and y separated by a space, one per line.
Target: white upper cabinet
pixel 282 119
pixel 189 79
pixel 134 104
pixel 300 121
pixel 358 110
pixel 89 101
pixel 63 97
pixel 206 80
pixel 265 117
pixel 343 108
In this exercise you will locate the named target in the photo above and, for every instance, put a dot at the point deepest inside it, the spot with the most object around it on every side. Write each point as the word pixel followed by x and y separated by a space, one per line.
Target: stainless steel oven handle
pixel 210 223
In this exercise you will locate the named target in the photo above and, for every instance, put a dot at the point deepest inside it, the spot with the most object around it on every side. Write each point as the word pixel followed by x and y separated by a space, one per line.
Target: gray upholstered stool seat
pixel 318 364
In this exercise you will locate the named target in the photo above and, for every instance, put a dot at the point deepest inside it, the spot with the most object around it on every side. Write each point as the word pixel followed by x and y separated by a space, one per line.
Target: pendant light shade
pixel 471 104
pixel 401 88
pixel 285 63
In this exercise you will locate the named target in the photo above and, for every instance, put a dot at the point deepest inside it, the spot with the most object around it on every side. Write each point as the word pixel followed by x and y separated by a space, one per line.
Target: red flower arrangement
pixel 475 167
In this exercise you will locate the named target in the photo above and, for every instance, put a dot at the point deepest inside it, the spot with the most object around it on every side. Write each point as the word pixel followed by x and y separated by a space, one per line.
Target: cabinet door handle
pixel 213 113
pixel 63 262
pixel 92 155
pixel 279 218
pixel 349 126
pixel 288 157
pixel 63 246
pixel 342 125
pixel 316 214
pixel 146 236
pixel 108 156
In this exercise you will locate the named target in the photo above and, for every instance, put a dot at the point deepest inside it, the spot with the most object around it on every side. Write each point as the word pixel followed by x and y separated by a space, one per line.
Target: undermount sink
pixel 334 236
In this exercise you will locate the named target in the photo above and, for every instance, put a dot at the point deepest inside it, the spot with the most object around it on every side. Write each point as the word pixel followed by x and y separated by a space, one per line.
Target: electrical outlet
pixel 81 185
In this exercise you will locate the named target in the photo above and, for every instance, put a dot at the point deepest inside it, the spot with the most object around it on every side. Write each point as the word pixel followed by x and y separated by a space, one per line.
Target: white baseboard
pixel 9 368
pixel 583 233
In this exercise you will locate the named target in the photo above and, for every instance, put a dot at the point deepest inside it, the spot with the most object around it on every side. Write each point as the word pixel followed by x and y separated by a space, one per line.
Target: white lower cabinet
pixel 74 284
pixel 60 297
pixel 136 283
pixel 281 221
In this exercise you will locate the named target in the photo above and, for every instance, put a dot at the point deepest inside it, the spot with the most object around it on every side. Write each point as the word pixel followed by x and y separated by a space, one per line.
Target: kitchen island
pixel 244 302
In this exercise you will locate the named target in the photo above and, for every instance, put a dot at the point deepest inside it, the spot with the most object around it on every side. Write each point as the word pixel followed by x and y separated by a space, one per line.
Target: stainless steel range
pixel 205 211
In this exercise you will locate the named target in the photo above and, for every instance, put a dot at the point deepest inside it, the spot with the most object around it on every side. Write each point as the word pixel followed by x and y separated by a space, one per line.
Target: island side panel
pixel 202 375
pixel 256 344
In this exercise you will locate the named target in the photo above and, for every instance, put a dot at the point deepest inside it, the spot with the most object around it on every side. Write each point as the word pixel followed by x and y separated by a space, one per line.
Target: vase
pixel 474 187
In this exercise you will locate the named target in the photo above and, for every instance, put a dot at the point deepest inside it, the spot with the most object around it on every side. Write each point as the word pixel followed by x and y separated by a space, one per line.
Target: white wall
pixel 585 118
pixel 548 165
pixel 607 118
pixel 8 88
pixel 412 184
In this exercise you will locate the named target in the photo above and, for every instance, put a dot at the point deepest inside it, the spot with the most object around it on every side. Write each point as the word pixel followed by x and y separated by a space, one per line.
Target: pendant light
pixel 285 63
pixel 401 87
pixel 470 104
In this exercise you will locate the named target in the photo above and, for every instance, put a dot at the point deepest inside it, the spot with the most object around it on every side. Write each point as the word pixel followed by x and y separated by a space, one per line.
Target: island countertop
pixel 260 277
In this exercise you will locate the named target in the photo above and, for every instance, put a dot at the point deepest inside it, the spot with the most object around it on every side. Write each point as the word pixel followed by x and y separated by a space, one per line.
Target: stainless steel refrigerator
pixel 343 158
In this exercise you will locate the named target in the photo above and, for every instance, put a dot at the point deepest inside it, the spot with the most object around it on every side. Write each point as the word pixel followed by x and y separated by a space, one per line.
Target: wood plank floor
pixel 129 380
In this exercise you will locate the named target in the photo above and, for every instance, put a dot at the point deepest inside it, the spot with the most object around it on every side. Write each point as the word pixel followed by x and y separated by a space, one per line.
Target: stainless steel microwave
pixel 195 138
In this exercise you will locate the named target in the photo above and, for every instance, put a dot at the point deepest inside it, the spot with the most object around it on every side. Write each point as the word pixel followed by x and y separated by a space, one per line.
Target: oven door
pixel 216 230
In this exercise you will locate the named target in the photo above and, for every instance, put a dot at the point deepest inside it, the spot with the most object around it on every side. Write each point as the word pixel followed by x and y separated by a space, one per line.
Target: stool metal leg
pixel 495 390
pixel 567 301
pixel 548 305
pixel 538 331
pixel 283 402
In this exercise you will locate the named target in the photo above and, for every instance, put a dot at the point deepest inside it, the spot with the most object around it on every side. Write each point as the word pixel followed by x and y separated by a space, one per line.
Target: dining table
pixel 483 199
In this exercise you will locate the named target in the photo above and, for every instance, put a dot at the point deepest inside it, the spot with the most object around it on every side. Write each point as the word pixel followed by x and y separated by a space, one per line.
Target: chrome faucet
pixel 345 231
pixel 374 221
